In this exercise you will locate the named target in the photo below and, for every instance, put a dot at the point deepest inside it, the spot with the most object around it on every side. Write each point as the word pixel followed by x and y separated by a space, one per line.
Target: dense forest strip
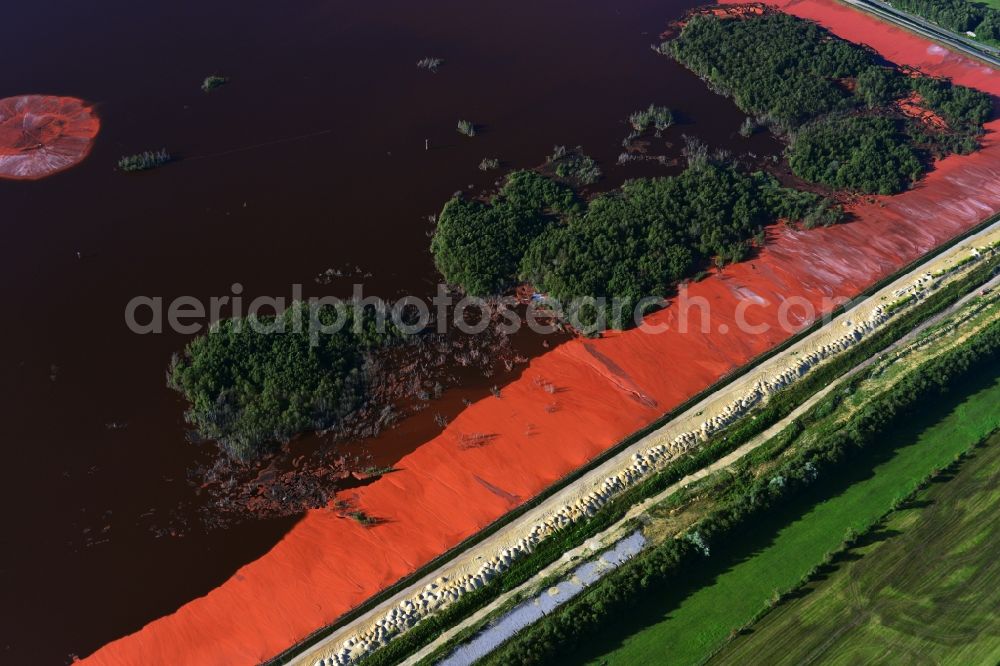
pixel 749 498
pixel 900 584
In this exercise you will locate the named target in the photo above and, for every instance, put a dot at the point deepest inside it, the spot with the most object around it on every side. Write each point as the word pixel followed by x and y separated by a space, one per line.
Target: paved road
pixel 923 27
pixel 688 420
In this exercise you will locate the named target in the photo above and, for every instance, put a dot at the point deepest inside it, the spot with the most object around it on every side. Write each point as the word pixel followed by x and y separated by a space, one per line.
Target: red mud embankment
pixel 573 403
pixel 41 135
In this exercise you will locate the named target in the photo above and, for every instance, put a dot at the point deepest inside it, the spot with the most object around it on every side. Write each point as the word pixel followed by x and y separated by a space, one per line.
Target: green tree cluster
pixel 573 166
pixel 478 245
pixel 149 159
pixel 791 73
pixel 860 154
pixel 965 109
pixel 628 244
pixel 878 85
pixel 658 117
pixel 957 15
pixel 251 382
pixel 633 243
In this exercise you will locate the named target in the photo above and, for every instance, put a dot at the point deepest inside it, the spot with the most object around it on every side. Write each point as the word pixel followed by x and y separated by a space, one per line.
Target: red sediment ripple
pixel 604 389
pixel 42 134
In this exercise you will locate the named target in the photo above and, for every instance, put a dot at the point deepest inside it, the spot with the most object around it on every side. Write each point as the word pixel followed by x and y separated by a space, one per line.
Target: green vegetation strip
pixel 752 506
pixel 779 406
pixel 774 410
pixel 822 410
pixel 901 587
pixel 689 630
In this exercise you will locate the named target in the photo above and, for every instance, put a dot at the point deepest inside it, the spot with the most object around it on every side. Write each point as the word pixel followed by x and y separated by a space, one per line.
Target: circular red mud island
pixel 43 134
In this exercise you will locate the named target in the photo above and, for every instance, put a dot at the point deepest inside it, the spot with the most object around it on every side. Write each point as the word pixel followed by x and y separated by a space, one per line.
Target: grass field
pixel 925 588
pixel 695 620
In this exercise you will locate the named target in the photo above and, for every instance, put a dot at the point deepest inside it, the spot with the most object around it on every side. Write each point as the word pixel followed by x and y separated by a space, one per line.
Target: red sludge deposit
pixel 42 134
pixel 604 389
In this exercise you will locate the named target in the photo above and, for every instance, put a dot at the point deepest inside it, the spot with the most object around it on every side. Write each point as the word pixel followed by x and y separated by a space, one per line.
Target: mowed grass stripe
pixel 687 626
pixel 924 589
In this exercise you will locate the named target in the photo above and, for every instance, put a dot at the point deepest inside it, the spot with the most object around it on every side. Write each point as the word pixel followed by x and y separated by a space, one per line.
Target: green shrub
pixel 430 64
pixel 658 117
pixel 809 208
pixel 466 127
pixel 574 166
pixel 143 161
pixel 212 82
